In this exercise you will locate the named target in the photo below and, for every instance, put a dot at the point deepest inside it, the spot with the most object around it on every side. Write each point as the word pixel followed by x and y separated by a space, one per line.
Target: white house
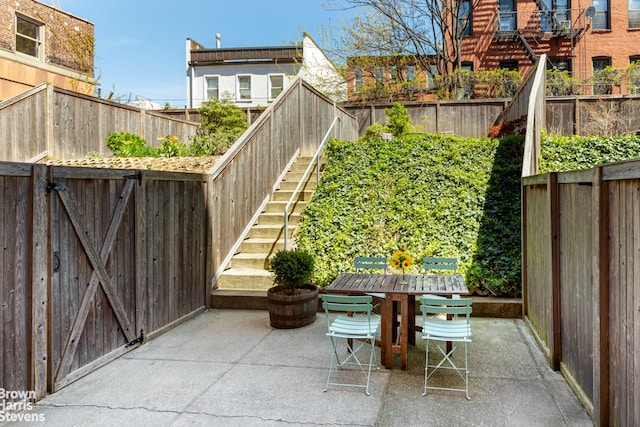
pixel 255 76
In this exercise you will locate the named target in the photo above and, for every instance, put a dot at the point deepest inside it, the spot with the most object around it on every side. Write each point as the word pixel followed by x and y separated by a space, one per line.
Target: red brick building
pixel 390 78
pixel 580 36
pixel 40 43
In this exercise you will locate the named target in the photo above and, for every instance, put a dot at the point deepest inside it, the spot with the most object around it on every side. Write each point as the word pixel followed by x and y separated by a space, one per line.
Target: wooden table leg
pixel 386 353
pixel 404 330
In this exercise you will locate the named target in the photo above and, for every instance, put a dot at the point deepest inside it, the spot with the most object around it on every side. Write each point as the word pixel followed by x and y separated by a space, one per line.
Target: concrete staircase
pixel 245 282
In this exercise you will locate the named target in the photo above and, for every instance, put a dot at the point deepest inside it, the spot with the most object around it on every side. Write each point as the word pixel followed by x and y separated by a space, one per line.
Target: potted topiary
pixel 293 300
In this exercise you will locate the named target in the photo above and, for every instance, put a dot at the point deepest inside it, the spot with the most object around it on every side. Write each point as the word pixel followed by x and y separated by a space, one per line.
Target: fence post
pixel 40 279
pixel 600 274
pixel 556 306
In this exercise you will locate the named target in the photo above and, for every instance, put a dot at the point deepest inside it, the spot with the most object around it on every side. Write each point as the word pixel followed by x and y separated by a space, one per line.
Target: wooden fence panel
pixel 624 299
pixel 539 292
pixel 15 277
pixel 576 284
pixel 176 250
pixel 22 128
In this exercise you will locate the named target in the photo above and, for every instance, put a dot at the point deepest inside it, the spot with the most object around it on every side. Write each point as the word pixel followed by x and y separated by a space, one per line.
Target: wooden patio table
pixel 401 289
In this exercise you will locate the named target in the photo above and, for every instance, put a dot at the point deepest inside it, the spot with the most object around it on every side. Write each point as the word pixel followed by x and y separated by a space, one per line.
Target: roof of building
pixel 268 54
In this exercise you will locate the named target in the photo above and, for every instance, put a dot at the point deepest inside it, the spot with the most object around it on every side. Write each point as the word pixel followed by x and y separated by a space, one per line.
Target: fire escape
pixel 528 28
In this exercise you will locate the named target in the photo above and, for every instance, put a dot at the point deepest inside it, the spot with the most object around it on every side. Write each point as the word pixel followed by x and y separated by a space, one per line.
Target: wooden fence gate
pixel 93 287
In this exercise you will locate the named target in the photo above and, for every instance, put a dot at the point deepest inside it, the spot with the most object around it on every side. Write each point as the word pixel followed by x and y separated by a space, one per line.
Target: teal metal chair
pixel 368 264
pixel 357 333
pixel 440 265
pixel 437 325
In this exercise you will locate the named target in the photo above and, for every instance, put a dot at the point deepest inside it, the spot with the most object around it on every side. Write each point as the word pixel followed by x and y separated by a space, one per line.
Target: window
pixel 411 72
pixel 554 15
pixel 212 88
pixel 276 85
pixel 601 20
pixel 465 22
pixel 508 65
pixel 634 13
pixel 507 13
pixel 358 80
pixel 244 87
pixel 393 74
pixel 466 65
pixel 28 36
pixel 559 64
pixel 634 74
pixel 601 76
pixel 378 73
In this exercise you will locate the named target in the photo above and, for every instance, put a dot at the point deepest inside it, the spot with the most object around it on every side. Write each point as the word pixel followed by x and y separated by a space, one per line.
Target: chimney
pixel 217 40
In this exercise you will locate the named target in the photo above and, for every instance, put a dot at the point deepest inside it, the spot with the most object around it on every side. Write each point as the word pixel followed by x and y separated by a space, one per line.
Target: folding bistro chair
pixel 369 263
pixel 440 265
pixel 436 327
pixel 358 333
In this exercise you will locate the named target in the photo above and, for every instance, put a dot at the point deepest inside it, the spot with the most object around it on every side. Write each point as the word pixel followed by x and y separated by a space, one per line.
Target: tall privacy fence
pixel 581 282
pixel 96 260
pixel 51 122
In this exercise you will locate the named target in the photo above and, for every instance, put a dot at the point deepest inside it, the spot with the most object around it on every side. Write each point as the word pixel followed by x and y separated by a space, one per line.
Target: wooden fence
pixel 51 122
pixel 94 260
pixel 581 282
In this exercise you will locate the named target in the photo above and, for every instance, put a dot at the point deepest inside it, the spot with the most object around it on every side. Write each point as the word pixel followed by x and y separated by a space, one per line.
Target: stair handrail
pixel 316 159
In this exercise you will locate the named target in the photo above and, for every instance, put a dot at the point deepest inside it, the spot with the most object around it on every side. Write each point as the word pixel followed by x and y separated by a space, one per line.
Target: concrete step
pixel 248 260
pixel 261 246
pixel 277 218
pixel 279 205
pixel 270 231
pixel 292 185
pixel 285 195
pixel 240 279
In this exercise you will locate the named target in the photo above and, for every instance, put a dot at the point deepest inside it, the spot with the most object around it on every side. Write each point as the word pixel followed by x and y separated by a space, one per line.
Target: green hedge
pixel 426 194
pixel 561 154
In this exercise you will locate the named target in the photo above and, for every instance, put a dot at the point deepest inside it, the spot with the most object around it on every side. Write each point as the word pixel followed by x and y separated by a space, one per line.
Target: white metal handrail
pixel 316 159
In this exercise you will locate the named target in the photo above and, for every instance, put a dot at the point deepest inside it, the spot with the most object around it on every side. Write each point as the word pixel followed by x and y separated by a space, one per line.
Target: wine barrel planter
pixel 292 311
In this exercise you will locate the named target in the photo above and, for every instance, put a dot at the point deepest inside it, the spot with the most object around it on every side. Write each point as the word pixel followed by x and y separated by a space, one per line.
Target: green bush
pixel 221 116
pixel 125 144
pixel 561 153
pixel 292 268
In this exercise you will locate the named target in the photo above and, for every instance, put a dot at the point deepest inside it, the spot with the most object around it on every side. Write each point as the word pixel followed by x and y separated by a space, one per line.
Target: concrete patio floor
pixel 230 368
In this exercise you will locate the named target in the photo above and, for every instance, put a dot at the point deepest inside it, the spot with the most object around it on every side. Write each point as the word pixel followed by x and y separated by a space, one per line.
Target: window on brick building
pixel 507 13
pixel 554 15
pixel 465 18
pixel 358 80
pixel 601 19
pixel 634 74
pixel 601 83
pixel 28 36
pixel 508 65
pixel 634 13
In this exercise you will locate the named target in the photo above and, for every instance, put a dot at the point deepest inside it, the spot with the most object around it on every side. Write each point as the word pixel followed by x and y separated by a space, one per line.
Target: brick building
pixel 40 43
pixel 580 37
pixel 390 78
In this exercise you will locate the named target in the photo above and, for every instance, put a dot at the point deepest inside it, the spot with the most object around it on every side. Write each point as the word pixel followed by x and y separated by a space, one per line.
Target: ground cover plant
pixel 429 195
pixel 562 153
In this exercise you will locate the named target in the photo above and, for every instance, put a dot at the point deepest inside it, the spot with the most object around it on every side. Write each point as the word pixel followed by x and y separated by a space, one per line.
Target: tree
pixel 421 28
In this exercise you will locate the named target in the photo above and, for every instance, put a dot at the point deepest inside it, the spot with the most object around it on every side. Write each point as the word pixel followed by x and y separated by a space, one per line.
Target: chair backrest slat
pixel 369 263
pixel 459 306
pixel 437 263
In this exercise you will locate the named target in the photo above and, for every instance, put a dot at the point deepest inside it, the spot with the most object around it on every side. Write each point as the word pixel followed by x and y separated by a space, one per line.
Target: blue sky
pixel 140 44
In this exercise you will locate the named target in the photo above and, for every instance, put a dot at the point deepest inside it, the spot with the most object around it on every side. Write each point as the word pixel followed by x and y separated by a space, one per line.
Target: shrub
pixel 292 268
pixel 221 116
pixel 398 120
pixel 125 144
